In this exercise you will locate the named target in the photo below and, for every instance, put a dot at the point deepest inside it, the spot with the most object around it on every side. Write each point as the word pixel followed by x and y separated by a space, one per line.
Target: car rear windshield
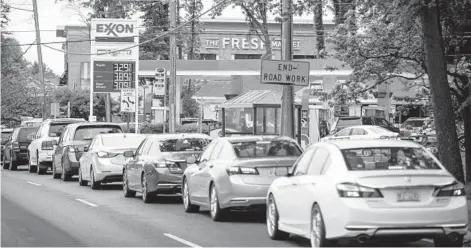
pixel 182 145
pixel 122 141
pixel 348 123
pixel 24 132
pixel 413 123
pixel 89 132
pixel 273 148
pixel 389 158
pixel 56 129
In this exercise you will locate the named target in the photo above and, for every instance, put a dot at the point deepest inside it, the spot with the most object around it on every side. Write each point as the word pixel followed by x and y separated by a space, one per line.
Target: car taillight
pixel 106 154
pixel 16 145
pixel 455 189
pixel 353 190
pixel 47 145
pixel 236 170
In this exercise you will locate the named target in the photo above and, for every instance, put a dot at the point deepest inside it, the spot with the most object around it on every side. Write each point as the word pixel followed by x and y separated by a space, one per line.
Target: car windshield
pixel 389 158
pixel 183 145
pixel 122 141
pixel 379 130
pixel 24 132
pixel 273 148
pixel 89 132
pixel 56 129
pixel 413 123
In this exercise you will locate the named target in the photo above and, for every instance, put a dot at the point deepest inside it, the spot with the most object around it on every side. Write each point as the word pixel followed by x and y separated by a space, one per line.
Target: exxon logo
pixel 115 29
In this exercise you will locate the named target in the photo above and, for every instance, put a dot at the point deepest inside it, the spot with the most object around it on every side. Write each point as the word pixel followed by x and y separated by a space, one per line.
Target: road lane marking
pixel 168 235
pixel 36 184
pixel 88 203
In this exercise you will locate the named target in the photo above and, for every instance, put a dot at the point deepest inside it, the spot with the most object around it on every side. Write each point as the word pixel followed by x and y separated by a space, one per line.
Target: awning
pixel 254 98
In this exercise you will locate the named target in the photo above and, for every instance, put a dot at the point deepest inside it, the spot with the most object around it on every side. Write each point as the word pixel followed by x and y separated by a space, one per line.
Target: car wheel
pixel 445 241
pixel 39 170
pixel 6 165
pixel 217 214
pixel 55 175
pixel 31 168
pixel 146 196
pixel 126 191
pixel 317 230
pixel 81 181
pixel 13 164
pixel 272 221
pixel 93 184
pixel 461 143
pixel 189 208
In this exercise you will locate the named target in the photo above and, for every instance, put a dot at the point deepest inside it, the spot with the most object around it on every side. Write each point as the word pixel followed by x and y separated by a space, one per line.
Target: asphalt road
pixel 39 211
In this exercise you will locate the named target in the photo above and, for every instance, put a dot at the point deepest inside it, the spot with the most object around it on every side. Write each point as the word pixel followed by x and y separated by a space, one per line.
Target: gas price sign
pixel 111 76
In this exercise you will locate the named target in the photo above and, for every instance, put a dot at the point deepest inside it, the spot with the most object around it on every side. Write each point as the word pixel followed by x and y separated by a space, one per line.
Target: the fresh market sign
pixel 244 44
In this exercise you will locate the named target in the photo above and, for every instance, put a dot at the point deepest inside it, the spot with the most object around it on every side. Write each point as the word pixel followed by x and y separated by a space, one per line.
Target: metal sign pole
pixel 136 88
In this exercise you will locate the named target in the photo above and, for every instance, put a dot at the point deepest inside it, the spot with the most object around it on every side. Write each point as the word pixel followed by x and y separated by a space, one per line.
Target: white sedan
pixel 362 132
pixel 103 161
pixel 368 190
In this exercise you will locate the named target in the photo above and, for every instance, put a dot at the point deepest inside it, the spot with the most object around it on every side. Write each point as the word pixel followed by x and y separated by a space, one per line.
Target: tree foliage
pixel 156 21
pixel 4 11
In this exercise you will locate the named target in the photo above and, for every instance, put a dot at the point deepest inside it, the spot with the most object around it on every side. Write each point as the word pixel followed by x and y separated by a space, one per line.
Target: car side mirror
pixel 128 154
pixel 54 142
pixel 85 149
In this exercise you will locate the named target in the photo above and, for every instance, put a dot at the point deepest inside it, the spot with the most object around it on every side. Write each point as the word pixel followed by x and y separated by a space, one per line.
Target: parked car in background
pixel 235 173
pixel 6 133
pixel 103 161
pixel 72 144
pixel 363 132
pixel 367 191
pixel 158 164
pixel 31 122
pixel 338 123
pixel 40 150
pixel 16 147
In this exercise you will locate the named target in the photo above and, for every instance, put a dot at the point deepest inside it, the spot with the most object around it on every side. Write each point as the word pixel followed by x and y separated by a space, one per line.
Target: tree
pixel 192 9
pixel 155 20
pixel 190 107
pixel 390 42
pixel 4 11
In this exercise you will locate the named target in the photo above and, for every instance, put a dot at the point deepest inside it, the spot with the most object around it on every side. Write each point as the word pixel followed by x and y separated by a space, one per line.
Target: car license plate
pixel 408 196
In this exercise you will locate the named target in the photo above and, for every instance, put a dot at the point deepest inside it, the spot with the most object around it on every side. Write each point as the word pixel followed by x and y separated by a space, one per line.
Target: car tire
pixel 81 182
pixel 55 175
pixel 31 168
pixel 126 191
pixel 94 184
pixel 445 241
pixel 13 164
pixel 39 170
pixel 217 214
pixel 272 221
pixel 146 196
pixel 317 228
pixel 189 208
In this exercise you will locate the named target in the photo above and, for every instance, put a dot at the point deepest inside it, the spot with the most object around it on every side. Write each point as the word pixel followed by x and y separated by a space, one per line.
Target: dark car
pixel 379 121
pixel 72 144
pixel 158 164
pixel 6 133
pixel 16 147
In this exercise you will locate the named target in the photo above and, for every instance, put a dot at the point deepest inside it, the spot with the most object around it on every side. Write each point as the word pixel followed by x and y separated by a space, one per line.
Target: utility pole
pixel 287 103
pixel 40 56
pixel 173 66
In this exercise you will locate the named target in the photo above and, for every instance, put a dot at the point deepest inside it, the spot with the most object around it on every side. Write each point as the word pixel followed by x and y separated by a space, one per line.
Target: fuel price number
pixel 123 75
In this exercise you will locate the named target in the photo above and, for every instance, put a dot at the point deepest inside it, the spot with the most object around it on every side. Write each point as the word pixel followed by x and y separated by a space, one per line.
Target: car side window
pixel 207 152
pixel 38 133
pixel 343 132
pixel 358 131
pixel 318 161
pixel 64 136
pixel 147 147
pixel 302 164
pixel 216 151
pixel 140 148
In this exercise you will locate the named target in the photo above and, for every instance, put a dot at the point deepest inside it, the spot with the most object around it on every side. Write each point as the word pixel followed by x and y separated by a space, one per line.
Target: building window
pixel 304 57
pixel 207 56
pixel 247 56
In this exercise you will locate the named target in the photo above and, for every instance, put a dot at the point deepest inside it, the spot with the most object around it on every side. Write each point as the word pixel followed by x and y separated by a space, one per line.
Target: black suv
pixel 16 147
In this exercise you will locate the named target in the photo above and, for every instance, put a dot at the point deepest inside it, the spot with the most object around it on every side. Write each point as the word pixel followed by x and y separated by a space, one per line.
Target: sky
pixel 52 15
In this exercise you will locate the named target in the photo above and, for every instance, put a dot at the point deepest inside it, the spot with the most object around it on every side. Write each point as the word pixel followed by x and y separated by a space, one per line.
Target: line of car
pixel 365 191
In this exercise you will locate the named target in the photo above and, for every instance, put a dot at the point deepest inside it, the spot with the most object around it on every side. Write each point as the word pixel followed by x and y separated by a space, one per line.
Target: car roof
pixel 251 138
pixel 7 130
pixel 66 120
pixel 352 144
pixel 349 117
pixel 80 124
pixel 366 127
pixel 179 136
pixel 110 135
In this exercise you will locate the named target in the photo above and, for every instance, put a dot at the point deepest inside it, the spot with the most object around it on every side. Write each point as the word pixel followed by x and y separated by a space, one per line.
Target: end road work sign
pixel 128 100
pixel 285 72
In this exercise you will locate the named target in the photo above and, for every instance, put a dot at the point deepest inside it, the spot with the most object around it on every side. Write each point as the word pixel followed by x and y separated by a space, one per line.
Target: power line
pixel 148 41
pixel 19 57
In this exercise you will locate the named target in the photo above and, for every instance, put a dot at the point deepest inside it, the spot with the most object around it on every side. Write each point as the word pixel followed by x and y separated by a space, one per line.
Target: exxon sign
pixel 112 29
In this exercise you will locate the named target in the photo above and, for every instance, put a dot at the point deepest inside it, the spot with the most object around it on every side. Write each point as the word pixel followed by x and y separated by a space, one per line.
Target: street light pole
pixel 40 56
pixel 287 104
